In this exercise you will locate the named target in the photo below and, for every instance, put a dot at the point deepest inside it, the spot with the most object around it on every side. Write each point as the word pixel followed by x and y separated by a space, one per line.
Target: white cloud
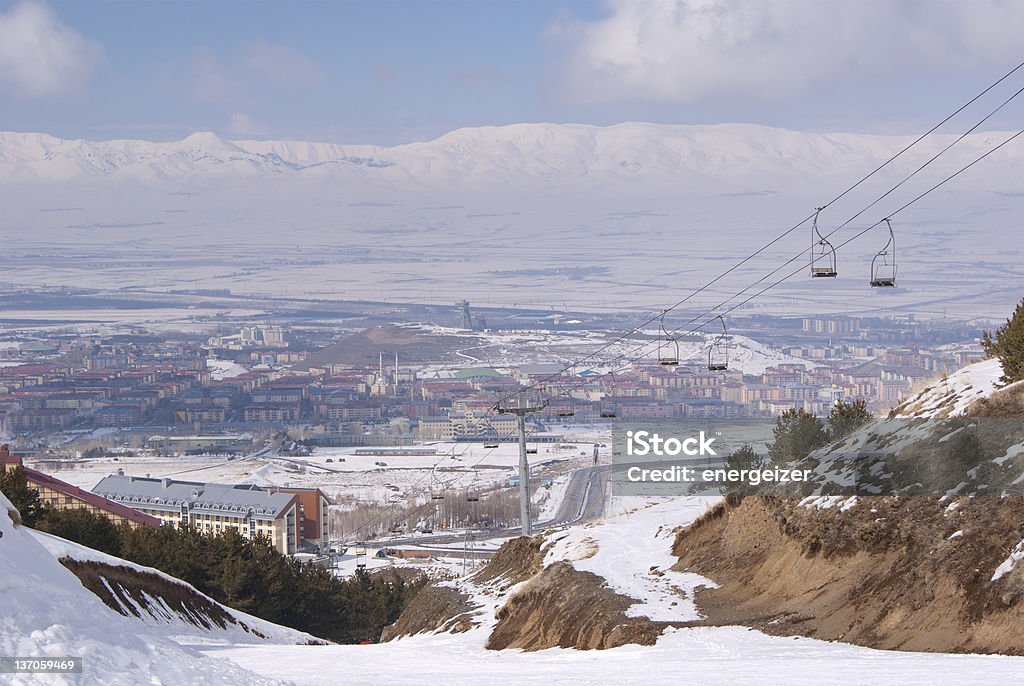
pixel 40 56
pixel 688 50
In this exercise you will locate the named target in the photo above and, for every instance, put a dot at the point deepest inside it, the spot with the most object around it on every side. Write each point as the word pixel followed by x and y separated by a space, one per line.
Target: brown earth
pixel 413 345
pixel 1007 403
pixel 887 573
pixel 563 607
pixel 435 608
pixel 558 606
pixel 514 562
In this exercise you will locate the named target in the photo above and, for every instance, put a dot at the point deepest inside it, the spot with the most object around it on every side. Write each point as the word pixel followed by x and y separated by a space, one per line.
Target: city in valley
pixel 390 422
pixel 631 342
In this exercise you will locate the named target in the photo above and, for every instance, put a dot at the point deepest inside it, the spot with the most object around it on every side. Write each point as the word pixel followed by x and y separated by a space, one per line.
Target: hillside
pixel 163 602
pixel 934 572
pixel 939 442
pixel 909 538
pixel 46 612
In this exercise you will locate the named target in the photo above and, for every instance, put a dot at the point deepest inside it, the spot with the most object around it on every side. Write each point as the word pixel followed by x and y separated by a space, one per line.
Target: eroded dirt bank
pixel 911 573
pixel 556 606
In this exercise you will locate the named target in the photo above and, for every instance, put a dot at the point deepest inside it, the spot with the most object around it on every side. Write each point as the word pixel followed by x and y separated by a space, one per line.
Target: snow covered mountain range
pixel 514 153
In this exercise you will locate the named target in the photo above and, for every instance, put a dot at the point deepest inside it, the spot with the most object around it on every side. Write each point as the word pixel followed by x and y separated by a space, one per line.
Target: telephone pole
pixel 522 408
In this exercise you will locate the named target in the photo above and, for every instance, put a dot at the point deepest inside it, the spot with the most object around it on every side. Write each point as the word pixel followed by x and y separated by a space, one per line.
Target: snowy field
pixel 341 473
pixel 727 655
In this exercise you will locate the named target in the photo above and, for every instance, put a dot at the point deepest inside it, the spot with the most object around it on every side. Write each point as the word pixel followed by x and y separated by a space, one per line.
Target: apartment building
pixel 211 508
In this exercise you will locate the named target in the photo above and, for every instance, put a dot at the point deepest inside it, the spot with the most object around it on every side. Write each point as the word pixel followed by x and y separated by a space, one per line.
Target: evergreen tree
pixel 14 484
pixel 744 457
pixel 91 530
pixel 1007 344
pixel 797 433
pixel 847 417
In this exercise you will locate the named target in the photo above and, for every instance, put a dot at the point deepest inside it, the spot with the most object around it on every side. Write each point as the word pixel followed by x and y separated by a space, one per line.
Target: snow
pixel 224 369
pixel 551 498
pixel 729 655
pixel 923 418
pixel 272 633
pixel 517 153
pixel 163 215
pixel 1011 452
pixel 827 502
pixel 1007 565
pixel 46 612
pixel 632 551
pixel 951 396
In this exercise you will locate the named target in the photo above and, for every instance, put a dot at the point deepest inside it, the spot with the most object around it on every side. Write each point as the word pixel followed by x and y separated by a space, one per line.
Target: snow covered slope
pixel 931 444
pixel 45 612
pixel 952 395
pixel 188 614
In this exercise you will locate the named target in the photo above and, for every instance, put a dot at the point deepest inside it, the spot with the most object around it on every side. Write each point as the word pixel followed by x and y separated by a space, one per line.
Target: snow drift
pixel 45 612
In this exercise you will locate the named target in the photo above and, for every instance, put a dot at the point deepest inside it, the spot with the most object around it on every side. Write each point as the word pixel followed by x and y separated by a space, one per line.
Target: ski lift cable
pixel 853 218
pixel 787 232
pixel 882 221
pixel 644 349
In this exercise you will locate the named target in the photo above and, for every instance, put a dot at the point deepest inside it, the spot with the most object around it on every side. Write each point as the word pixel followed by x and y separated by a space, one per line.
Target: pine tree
pixel 797 434
pixel 847 417
pixel 14 485
pixel 81 526
pixel 745 457
pixel 1007 344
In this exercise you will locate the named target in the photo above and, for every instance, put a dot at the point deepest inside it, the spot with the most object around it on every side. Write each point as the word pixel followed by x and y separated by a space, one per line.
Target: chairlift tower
pixel 522 407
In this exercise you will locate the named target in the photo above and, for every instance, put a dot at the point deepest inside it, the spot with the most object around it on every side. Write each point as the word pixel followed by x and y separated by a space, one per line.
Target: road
pixel 584 500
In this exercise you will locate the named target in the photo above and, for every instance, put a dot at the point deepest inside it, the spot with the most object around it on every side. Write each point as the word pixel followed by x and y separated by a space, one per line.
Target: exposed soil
pixel 1007 403
pixel 887 573
pixel 435 608
pixel 567 608
pixel 557 606
pixel 514 562
pixel 413 345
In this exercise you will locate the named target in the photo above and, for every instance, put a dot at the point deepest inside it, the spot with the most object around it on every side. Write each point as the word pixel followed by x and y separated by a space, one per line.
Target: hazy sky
pixel 396 71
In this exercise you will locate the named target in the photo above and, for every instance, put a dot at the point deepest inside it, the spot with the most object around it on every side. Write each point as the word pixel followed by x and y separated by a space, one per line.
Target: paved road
pixel 583 501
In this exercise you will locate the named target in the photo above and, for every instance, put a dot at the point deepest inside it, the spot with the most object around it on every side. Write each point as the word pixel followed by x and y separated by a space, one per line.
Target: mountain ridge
pixel 546 152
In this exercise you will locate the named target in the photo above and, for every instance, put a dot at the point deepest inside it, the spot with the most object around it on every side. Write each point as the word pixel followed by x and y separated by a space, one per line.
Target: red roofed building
pixel 60 495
